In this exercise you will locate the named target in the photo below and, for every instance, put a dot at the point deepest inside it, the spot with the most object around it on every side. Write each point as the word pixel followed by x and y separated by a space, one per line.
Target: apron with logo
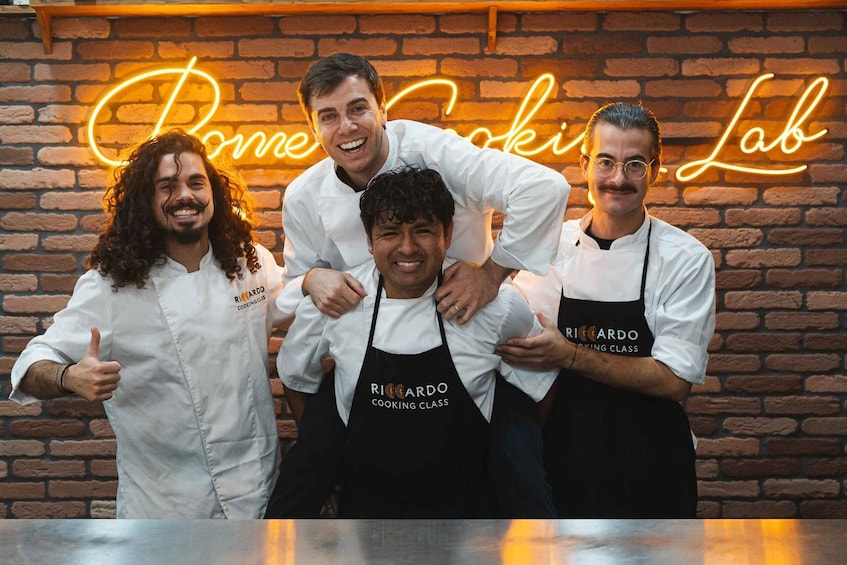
pixel 416 441
pixel 612 453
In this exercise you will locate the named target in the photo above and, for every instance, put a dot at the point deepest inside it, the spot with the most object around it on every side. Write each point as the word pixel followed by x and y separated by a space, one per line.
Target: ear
pixel 370 245
pixel 583 165
pixel 384 113
pixel 448 234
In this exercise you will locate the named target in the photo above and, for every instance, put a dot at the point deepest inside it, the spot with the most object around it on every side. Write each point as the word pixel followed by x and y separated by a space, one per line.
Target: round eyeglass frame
pixel 614 166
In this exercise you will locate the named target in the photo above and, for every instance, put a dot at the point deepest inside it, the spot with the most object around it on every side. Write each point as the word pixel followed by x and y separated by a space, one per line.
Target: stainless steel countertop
pixel 440 542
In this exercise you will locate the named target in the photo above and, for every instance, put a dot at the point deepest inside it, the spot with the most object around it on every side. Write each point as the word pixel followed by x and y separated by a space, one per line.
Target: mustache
pixel 625 187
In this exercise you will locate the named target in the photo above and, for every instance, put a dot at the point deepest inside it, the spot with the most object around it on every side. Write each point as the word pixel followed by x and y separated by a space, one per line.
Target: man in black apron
pixel 416 392
pixel 634 300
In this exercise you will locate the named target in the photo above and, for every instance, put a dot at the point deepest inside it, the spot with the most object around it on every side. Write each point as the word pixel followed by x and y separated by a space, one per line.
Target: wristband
pixel 62 388
pixel 56 377
pixel 573 357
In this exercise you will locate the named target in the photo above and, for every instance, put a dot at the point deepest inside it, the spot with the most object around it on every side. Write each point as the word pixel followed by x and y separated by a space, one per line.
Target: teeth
pixel 184 213
pixel 352 144
pixel 408 263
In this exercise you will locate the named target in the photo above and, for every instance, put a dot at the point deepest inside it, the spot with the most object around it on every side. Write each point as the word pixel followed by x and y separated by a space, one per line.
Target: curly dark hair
pixel 404 195
pixel 132 241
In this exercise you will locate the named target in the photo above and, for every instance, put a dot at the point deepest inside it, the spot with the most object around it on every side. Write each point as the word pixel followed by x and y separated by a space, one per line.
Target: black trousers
pixel 310 468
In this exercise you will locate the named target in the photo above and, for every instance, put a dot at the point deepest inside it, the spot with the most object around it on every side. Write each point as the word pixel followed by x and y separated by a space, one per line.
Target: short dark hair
pixel 404 195
pixel 625 116
pixel 326 74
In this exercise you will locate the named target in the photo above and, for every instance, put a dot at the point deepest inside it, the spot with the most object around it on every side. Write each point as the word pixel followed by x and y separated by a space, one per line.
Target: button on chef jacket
pixel 193 414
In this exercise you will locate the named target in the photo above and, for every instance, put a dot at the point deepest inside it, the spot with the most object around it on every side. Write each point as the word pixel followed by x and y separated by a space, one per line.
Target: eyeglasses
pixel 634 169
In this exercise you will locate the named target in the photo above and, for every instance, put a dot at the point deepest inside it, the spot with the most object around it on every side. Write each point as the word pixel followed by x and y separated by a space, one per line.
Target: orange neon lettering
pixel 791 138
pixel 520 138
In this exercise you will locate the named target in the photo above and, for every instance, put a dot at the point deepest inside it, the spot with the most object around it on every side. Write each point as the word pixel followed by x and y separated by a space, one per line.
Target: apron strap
pixel 376 310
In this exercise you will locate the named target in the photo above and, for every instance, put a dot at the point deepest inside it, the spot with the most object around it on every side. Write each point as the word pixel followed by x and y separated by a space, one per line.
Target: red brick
pixel 71 73
pixel 473 23
pixel 806 237
pixel 587 44
pixel 480 68
pixel 104 468
pixel 441 46
pixel 804 279
pixel 711 22
pixel 823 509
pixel 39 263
pixel 115 50
pixel 157 27
pixel 760 426
pixel 781 45
pixel 728 238
pixel 40 304
pixel 686 217
pixel 526 46
pixel 21 447
pixel 35 94
pixel 798 65
pixel 18 156
pixel 76 28
pixel 744 300
pixel 807 363
pixel 15 28
pixel 737 279
pixel 764 218
pixel 826 257
pixel 16 221
pixel 760 467
pixel 103 509
pixel 728 489
pixel 23 242
pixel 828 466
pixel 58 283
pixel 286 429
pixel 827 44
pixel 676 45
pixel 826 342
pixel 9 408
pixel 759 509
pixel 47 428
pixel 703 426
pixel 777 447
pixel 800 321
pixel 40 469
pixel 559 22
pixel 634 21
pixel 65 510
pixel 737 321
pixel 21 491
pixel 804 21
pixel 722 364
pixel 235 27
pixel 17 324
pixel 825 426
pixel 801 488
pixel 763 342
pixel 602 88
pixel 764 384
pixel 827 217
pixel 365 47
pixel 679 88
pixel 73 243
pixel 75 407
pixel 800 405
pixel 720 196
pixel 827 301
pixel 101 428
pixel 83 448
pixel 83 489
pixel 801 196
pixel 405 24
pixel 707 509
pixel 720 67
pixel 759 258
pixel 707 469
pixel 722 405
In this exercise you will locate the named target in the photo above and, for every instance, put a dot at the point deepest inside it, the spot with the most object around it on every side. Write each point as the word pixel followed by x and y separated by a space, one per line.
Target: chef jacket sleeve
pixel 301 250
pixel 299 359
pixel 67 339
pixel 532 196
pixel 684 321
pixel 519 321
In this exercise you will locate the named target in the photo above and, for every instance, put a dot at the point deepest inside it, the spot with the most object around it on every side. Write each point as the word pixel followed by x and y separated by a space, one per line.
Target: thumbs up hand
pixel 91 378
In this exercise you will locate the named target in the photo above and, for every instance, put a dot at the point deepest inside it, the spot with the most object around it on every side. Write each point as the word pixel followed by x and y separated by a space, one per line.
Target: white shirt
pixel 409 326
pixel 193 414
pixel 321 213
pixel 679 295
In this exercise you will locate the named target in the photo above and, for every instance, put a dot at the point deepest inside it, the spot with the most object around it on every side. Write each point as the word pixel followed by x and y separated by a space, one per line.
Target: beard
pixel 187 236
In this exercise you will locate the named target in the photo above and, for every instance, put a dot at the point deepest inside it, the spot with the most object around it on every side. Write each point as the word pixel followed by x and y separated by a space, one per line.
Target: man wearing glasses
pixel 633 298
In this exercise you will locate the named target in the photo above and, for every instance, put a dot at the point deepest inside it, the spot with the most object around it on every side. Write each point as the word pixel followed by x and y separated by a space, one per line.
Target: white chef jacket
pixel 193 413
pixel 321 213
pixel 679 295
pixel 409 326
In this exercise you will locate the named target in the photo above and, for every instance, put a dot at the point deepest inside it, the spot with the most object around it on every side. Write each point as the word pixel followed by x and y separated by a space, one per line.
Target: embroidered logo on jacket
pixel 250 297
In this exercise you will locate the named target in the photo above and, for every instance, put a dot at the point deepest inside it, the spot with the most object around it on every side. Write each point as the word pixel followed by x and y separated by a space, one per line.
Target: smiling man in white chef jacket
pixel 170 330
pixel 629 313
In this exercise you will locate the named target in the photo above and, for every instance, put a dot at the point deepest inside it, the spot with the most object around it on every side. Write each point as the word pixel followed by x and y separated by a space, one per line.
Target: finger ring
pixel 457 308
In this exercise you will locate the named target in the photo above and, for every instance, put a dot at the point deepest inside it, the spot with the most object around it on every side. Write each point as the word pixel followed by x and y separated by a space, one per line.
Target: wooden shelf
pixel 46 10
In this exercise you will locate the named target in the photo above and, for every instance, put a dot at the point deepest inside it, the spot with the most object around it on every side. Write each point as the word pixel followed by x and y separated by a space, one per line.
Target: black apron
pixel 416 441
pixel 611 453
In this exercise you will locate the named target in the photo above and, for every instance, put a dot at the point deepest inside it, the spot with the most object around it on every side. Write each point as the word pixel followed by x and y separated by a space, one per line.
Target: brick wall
pixel 771 416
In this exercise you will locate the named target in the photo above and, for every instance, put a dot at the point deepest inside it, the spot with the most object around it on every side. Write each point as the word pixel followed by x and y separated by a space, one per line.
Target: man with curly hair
pixel 169 328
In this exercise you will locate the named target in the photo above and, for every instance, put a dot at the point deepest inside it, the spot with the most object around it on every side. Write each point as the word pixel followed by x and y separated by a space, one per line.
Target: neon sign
pixel 520 138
